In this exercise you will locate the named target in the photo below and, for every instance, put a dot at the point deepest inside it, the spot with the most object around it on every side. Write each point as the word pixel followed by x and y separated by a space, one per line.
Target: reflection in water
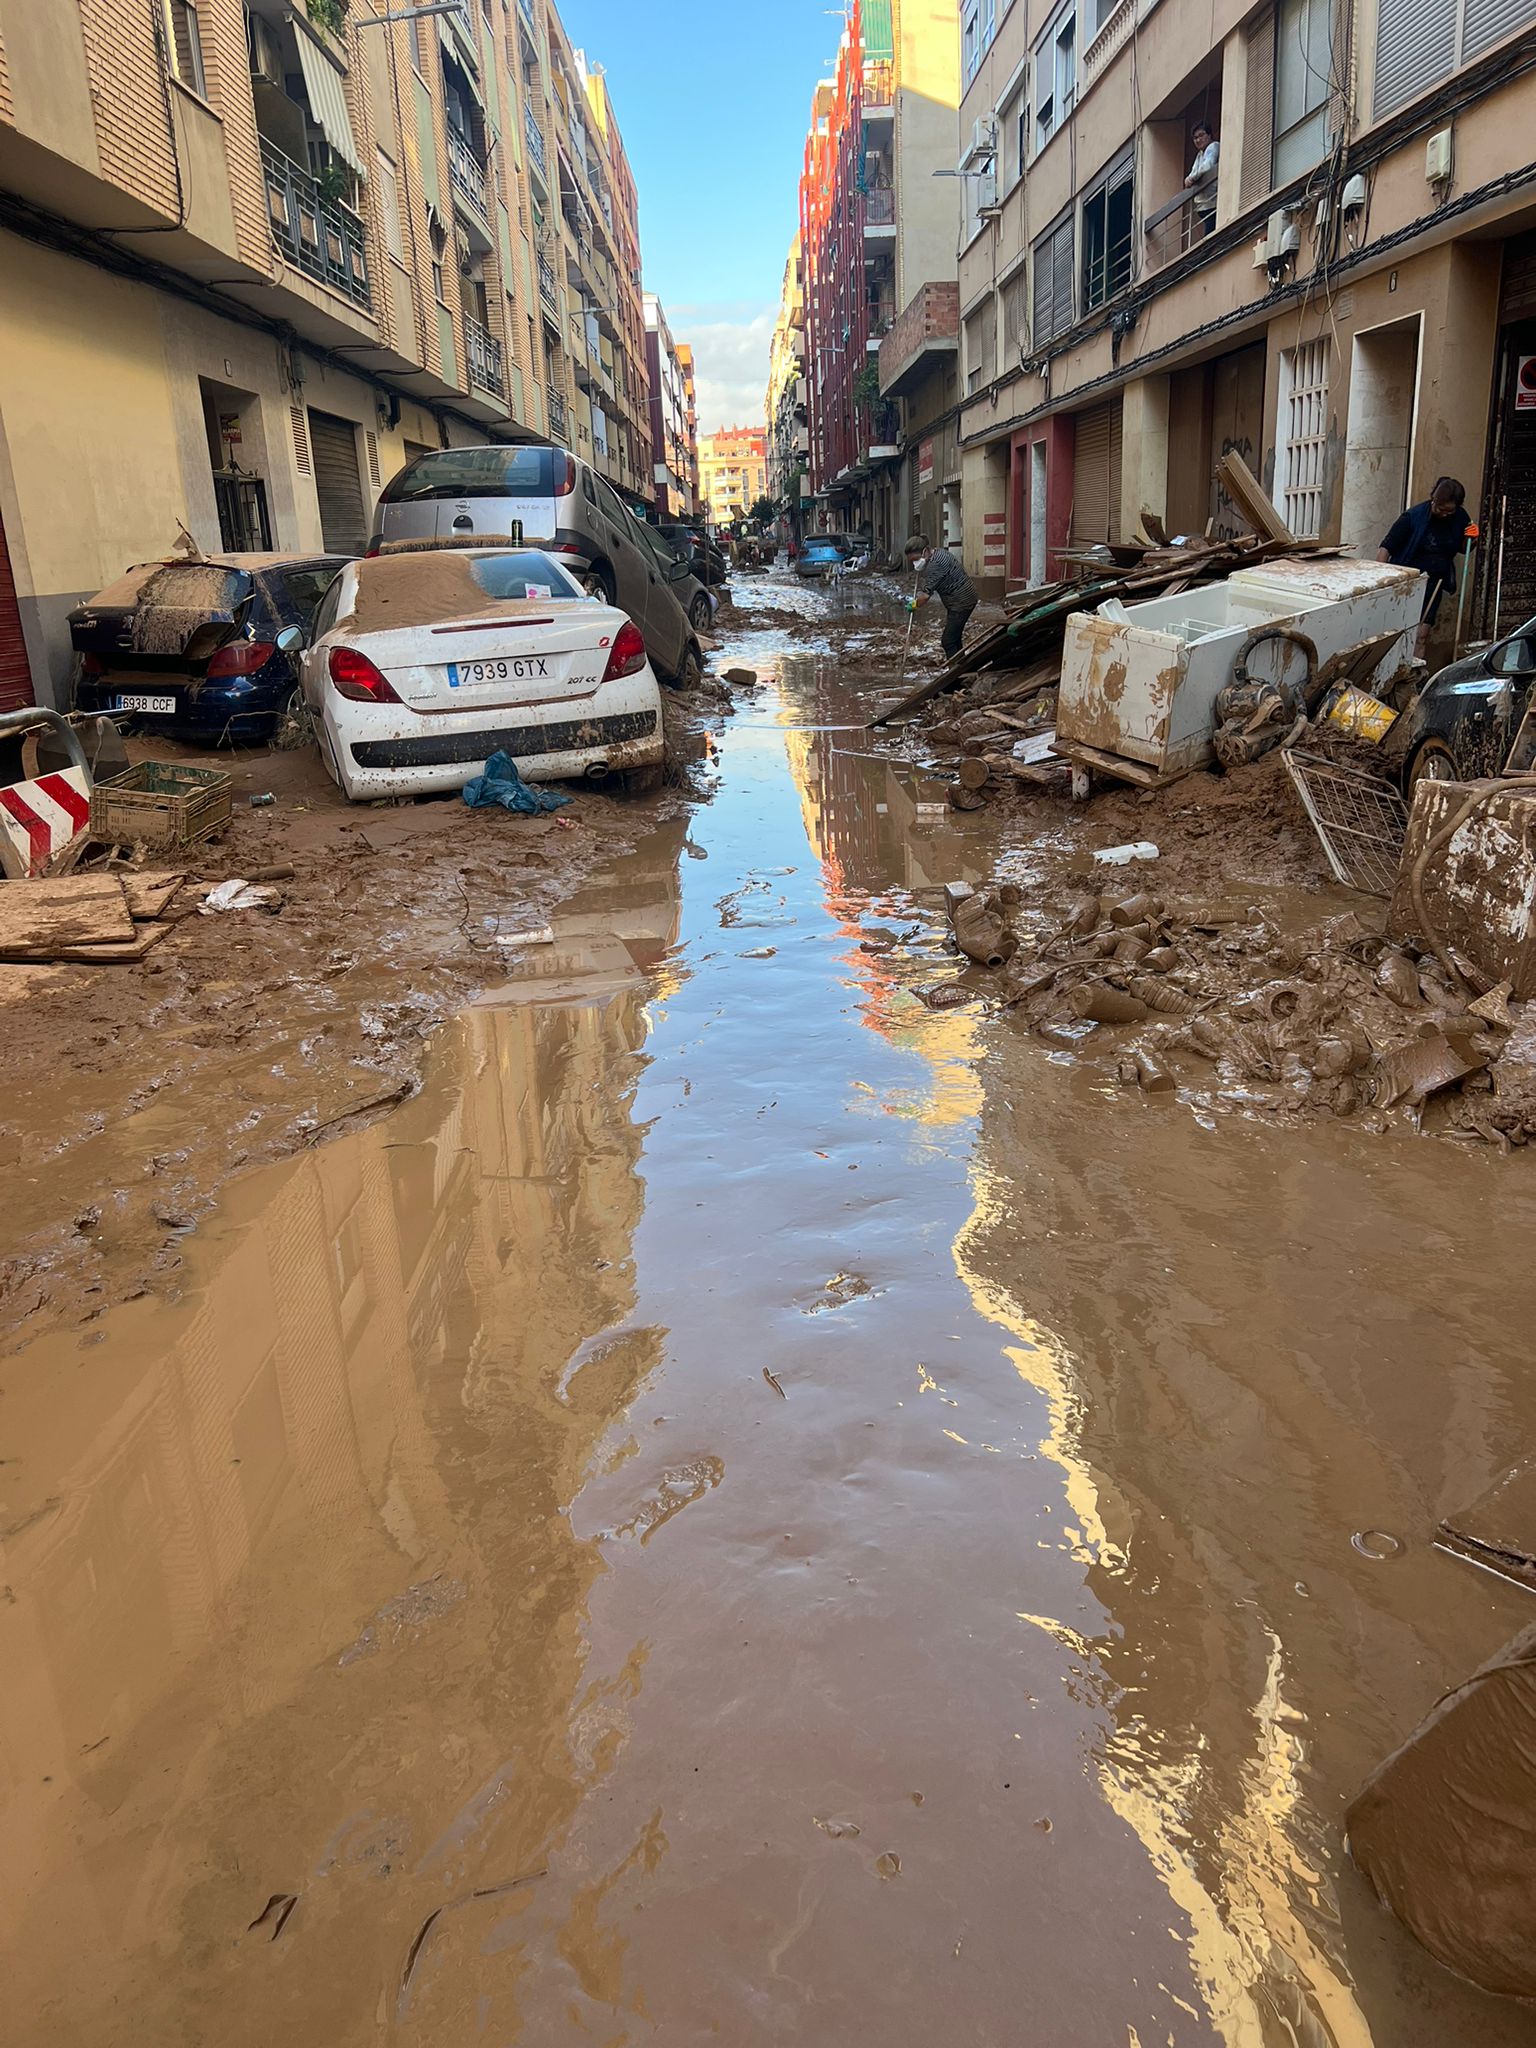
pixel 735 1518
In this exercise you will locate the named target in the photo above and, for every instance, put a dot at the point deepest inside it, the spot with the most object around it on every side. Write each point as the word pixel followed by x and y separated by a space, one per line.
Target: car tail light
pixel 242 658
pixel 628 652
pixel 566 484
pixel 355 676
pixel 375 545
pixel 92 665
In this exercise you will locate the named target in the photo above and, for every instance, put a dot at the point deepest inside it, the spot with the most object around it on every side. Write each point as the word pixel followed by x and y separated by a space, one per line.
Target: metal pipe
pixel 41 714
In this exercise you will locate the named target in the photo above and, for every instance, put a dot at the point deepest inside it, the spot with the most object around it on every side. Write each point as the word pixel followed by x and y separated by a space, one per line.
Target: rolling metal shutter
pixel 1053 283
pixel 1415 47
pixel 15 669
pixel 1096 475
pixel 1489 21
pixel 1256 176
pixel 338 483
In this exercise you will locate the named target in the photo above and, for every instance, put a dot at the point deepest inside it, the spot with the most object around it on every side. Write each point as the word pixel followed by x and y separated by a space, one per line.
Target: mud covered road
pixel 752 1510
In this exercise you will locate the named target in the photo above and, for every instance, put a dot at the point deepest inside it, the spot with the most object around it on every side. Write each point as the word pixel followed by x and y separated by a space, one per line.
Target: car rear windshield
pixel 181 586
pixel 477 473
pixel 424 585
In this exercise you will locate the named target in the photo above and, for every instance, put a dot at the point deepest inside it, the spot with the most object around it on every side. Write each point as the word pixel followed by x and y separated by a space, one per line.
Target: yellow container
pixel 1361 715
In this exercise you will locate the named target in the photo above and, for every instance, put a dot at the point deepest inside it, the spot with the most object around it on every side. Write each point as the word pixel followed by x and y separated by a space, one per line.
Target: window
pixel 1303 83
pixel 1107 232
pixel 185 45
pixel 389 208
pixel 981 346
pixel 1419 42
pixel 1013 139
pixel 1015 297
pixel 978 25
pixel 1303 423
pixel 1055 73
pixel 1053 283
pixel 416 55
pixel 437 284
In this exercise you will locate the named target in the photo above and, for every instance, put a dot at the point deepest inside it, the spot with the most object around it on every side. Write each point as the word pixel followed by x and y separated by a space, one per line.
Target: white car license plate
pixel 515 668
pixel 141 703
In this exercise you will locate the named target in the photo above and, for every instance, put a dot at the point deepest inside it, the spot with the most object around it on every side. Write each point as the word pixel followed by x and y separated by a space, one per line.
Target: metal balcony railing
pixel 556 412
pixel 319 236
pixel 548 288
pixel 536 147
pixel 528 13
pixel 483 353
pixel 879 209
pixel 467 173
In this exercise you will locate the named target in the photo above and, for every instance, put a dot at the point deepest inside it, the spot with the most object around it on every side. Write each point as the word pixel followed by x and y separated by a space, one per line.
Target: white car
pixel 426 661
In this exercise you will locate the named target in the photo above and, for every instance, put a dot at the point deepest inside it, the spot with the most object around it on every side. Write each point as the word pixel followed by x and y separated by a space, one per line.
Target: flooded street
pixel 751 1510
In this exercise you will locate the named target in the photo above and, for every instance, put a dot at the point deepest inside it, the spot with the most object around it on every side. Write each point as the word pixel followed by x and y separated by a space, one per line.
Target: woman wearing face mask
pixel 942 575
pixel 1430 536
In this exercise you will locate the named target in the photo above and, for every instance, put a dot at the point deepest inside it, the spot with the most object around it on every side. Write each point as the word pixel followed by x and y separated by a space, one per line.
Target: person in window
pixel 942 575
pixel 1202 176
pixel 1430 536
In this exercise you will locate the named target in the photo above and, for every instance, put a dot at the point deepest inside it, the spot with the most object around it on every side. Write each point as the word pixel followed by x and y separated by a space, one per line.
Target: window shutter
pixel 1061 279
pixel 1415 47
pixel 1094 459
pixel 1489 21
pixel 1042 259
pixel 371 442
pixel 1259 107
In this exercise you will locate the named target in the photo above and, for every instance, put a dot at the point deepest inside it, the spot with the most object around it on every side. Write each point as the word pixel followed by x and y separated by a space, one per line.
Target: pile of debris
pixel 1336 1019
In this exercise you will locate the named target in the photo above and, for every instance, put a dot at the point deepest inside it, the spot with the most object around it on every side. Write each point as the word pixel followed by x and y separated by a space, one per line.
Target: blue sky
pixel 713 97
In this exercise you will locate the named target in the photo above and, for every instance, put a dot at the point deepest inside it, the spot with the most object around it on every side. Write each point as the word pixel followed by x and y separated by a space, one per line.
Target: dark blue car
pixel 189 647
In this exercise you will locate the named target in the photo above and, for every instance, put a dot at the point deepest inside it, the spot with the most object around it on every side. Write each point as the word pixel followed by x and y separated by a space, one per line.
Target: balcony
pixel 880 215
pixel 526 7
pixel 927 332
pixel 549 289
pixel 466 174
pixel 482 351
pixel 537 153
pixel 319 236
pixel 557 420
pixel 879 94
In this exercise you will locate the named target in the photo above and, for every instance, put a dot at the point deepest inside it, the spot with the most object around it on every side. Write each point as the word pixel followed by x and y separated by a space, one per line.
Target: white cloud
pixel 732 361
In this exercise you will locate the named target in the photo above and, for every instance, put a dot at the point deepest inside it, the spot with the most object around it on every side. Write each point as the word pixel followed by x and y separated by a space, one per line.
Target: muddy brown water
pixel 753 1511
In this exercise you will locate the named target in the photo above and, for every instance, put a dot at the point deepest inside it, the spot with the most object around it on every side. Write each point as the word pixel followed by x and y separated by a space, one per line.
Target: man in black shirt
pixel 942 575
pixel 1429 537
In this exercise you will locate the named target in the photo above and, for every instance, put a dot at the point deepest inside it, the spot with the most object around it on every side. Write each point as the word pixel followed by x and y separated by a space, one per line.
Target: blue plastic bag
pixel 501 787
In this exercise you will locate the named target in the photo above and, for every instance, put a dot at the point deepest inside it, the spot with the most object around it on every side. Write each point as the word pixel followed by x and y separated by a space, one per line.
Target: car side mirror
pixel 676 571
pixel 291 639
pixel 1515 658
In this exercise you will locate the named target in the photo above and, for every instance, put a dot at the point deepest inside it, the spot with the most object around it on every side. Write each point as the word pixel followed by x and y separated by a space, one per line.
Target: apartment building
pixel 785 407
pixel 1344 290
pixel 258 255
pixel 733 472
pixel 673 454
pixel 688 373
pixel 878 215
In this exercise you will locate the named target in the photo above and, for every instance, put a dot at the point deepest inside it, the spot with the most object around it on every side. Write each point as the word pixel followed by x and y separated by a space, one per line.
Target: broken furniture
pixel 1139 682
pixel 1467 881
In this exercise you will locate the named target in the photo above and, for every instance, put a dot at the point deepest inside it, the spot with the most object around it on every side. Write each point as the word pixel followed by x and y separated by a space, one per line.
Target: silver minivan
pixel 551 498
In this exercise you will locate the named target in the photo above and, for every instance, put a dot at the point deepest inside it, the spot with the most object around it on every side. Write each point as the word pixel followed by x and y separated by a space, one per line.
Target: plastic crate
pixel 162 804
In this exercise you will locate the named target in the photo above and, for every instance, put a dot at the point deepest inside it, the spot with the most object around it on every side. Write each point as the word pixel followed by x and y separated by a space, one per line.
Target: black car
pixel 1464 721
pixel 709 565
pixel 190 646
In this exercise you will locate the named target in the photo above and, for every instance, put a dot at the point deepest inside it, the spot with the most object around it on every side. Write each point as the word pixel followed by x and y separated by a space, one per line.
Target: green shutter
pixel 879 37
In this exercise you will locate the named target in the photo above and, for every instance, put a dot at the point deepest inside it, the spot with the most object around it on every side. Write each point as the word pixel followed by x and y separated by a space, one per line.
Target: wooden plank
pixel 38 918
pixel 1136 772
pixel 1251 499
pixel 1151 525
pixel 148 895
pixel 145 936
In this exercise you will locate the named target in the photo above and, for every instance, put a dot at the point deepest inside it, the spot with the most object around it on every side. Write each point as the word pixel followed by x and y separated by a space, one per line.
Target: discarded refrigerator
pixel 1139 682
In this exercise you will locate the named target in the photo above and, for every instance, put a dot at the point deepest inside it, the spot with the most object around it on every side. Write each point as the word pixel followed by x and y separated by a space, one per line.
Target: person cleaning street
pixel 1430 536
pixel 941 574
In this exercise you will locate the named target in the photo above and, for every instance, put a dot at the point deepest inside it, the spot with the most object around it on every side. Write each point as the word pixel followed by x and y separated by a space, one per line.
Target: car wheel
pixel 690 672
pixel 1433 762
pixel 699 613
pixel 598 582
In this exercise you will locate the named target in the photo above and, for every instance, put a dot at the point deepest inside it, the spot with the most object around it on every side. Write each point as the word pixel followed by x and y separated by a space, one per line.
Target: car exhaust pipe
pixel 597 771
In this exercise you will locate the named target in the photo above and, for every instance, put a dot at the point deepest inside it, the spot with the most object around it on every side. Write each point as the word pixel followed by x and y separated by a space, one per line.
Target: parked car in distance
pixel 190 647
pixel 819 555
pixel 553 500
pixel 425 662
pixel 709 562
pixel 1463 722
pixel 700 604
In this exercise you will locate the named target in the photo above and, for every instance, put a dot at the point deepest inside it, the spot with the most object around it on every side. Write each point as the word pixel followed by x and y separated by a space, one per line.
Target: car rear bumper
pixel 211 713
pixel 533 743
pixel 447 754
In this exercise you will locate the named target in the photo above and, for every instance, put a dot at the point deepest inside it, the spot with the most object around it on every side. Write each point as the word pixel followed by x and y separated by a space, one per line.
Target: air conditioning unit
pixel 983 142
pixel 266 58
pixel 986 192
pixel 1281 238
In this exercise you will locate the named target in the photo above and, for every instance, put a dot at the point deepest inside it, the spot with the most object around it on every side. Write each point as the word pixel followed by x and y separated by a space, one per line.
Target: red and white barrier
pixel 39 819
